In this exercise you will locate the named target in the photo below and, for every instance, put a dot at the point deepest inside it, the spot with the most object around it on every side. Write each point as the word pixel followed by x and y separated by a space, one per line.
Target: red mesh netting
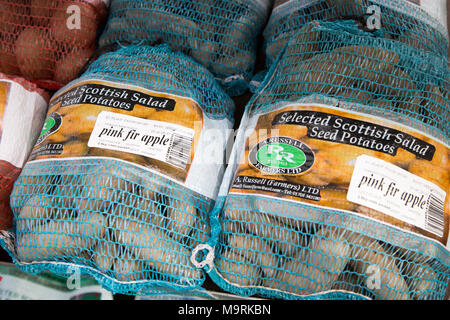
pixel 48 41
pixel 8 175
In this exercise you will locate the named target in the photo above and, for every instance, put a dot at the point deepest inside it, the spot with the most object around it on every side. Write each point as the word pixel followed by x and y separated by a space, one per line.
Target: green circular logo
pixel 48 125
pixel 281 155
pixel 51 125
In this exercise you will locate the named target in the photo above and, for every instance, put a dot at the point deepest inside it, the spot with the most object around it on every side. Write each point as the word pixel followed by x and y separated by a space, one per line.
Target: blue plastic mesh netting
pixel 221 35
pixel 400 20
pixel 270 244
pixel 160 69
pixel 338 60
pixel 127 225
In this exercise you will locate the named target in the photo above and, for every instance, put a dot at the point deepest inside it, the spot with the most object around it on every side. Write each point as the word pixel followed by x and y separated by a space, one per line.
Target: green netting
pixel 272 246
pixel 400 20
pixel 221 35
pixel 125 224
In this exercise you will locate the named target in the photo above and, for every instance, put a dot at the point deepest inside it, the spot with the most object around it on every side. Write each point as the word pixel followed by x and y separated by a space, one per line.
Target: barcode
pixel 180 150
pixel 434 216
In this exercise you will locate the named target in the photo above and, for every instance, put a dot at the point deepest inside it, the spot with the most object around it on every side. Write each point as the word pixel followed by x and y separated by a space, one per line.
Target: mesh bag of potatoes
pixel 49 41
pixel 338 183
pixel 123 175
pixel 221 34
pixel 23 107
pixel 421 24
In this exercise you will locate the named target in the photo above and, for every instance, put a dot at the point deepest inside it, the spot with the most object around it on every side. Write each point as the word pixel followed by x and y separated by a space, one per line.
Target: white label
pixel 22 121
pixel 384 187
pixel 158 140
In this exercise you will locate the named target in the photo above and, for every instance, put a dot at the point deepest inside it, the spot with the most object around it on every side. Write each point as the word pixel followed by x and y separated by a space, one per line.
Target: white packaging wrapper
pixel 24 108
pixel 22 112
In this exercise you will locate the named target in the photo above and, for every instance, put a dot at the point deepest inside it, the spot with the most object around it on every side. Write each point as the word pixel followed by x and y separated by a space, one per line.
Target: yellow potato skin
pixel 368 256
pixel 236 269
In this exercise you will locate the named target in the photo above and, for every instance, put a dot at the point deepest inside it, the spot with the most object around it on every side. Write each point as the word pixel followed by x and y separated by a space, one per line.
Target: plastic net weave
pixel 221 35
pixel 401 20
pixel 123 218
pixel 276 241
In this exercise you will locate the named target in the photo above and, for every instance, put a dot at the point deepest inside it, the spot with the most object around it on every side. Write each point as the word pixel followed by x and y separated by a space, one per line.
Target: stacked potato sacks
pixel 22 113
pixel 49 41
pixel 222 34
pixel 124 173
pixel 421 24
pixel 339 182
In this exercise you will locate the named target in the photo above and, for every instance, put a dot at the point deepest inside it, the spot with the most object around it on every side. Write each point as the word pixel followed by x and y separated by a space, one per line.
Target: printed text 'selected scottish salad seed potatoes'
pixel 339 179
pixel 124 173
